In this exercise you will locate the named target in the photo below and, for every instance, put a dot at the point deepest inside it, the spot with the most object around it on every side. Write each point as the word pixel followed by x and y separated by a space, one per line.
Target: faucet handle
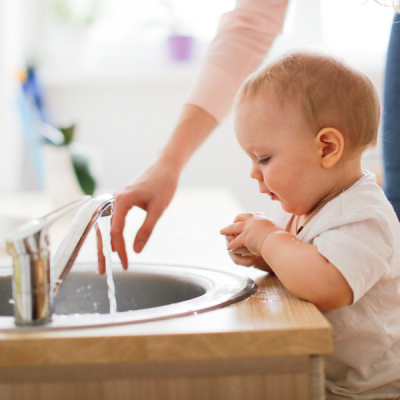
pixel 31 237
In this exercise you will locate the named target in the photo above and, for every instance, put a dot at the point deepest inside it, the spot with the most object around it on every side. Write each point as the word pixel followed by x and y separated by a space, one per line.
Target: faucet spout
pixel 80 227
pixel 36 277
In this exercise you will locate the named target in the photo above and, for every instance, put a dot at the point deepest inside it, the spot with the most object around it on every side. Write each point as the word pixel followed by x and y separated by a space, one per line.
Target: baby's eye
pixel 264 160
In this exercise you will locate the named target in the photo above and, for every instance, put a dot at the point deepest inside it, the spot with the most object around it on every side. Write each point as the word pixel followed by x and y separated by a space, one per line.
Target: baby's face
pixel 284 155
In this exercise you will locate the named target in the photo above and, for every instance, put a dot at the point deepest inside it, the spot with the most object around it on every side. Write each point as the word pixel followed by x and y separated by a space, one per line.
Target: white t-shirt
pixel 359 233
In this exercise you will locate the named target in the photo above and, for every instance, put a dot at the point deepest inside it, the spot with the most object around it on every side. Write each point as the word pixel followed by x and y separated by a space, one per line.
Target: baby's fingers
pixel 233 229
pixel 235 244
pixel 244 261
pixel 243 217
pixel 242 251
pixel 229 238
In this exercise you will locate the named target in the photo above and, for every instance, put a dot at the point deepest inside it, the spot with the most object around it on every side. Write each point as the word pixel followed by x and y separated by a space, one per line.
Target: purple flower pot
pixel 180 47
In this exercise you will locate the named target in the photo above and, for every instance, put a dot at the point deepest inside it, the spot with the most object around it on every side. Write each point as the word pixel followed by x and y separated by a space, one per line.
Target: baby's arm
pixel 305 272
pixel 298 265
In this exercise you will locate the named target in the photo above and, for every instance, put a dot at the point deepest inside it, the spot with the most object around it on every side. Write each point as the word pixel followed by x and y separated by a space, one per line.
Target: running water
pixel 104 224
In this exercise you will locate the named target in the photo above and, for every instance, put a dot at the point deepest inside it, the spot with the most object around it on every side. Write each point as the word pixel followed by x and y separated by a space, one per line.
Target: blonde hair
pixel 331 94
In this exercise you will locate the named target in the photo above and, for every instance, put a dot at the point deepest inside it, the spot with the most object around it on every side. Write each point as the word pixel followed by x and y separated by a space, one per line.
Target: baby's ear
pixel 330 146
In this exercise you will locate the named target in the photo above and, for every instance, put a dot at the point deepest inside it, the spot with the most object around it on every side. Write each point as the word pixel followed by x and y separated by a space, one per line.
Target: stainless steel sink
pixel 145 292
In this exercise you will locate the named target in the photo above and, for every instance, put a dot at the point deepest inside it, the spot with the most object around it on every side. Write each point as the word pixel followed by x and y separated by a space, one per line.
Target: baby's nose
pixel 255 173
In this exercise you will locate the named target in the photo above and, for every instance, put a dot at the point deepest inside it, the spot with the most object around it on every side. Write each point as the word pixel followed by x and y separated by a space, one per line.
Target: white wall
pixel 130 119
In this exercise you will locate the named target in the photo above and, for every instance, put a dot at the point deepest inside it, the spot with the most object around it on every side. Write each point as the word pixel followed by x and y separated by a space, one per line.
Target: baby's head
pixel 305 120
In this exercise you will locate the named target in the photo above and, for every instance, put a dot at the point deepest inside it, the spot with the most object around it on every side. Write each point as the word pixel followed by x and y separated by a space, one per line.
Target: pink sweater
pixel 243 39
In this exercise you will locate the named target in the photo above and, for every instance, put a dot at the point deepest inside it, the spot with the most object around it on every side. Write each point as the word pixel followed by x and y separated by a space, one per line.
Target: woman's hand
pixel 152 192
pixel 249 230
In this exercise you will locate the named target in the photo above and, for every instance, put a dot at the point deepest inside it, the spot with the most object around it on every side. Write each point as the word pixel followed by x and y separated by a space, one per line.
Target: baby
pixel 334 238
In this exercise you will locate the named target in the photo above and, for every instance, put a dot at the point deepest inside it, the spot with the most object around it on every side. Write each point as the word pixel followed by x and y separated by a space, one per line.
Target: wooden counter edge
pixel 161 348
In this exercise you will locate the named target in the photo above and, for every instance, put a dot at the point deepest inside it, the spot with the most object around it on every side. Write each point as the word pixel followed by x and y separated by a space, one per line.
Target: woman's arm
pixel 244 37
pixel 193 127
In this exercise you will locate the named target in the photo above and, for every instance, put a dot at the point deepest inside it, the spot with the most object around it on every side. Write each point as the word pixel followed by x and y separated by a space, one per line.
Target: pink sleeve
pixel 242 42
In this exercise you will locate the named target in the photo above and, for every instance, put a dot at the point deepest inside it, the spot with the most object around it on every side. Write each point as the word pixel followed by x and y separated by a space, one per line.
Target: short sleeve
pixel 244 37
pixel 361 251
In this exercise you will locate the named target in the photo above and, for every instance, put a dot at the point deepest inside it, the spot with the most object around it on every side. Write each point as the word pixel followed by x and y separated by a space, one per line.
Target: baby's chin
pixel 289 208
pixel 295 210
pixel 286 208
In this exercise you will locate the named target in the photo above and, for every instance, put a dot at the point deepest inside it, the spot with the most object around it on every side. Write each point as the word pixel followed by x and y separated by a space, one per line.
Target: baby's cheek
pixel 269 179
pixel 275 181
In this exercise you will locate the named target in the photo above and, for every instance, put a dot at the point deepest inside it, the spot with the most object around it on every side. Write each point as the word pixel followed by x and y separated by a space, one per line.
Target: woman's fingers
pixel 153 215
pixel 100 255
pixel 121 208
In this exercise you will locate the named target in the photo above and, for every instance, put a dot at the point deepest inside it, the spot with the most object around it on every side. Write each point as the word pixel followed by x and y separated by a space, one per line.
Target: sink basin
pixel 145 292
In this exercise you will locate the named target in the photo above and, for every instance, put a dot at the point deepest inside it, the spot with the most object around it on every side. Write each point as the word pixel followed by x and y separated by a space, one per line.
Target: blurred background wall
pixel 105 66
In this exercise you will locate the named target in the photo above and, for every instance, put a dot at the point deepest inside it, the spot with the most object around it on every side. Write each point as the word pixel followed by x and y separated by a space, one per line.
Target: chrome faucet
pixel 37 278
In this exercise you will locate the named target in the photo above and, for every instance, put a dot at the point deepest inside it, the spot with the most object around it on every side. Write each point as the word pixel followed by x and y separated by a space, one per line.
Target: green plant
pixel 80 160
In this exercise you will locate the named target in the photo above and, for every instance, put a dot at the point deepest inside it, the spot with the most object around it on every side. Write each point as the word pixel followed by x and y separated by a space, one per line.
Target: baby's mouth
pixel 270 194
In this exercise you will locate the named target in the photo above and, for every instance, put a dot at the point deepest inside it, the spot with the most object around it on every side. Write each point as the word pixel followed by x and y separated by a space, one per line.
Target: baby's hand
pixel 241 255
pixel 250 230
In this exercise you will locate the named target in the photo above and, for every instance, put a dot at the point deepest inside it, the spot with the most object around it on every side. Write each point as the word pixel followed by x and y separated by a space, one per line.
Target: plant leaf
pixel 68 132
pixel 81 165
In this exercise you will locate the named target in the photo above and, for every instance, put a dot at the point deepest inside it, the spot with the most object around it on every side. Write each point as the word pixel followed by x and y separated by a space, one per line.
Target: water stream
pixel 104 224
